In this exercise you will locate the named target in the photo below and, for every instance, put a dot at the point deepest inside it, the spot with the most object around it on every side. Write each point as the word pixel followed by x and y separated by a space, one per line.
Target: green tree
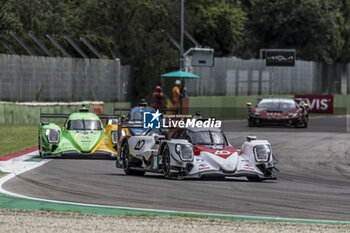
pixel 8 18
pixel 37 17
pixel 309 26
pixel 134 29
pixel 218 24
pixel 8 21
pixel 344 24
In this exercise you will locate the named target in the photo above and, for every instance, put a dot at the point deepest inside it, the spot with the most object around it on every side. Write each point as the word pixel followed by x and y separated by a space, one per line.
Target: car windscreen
pixel 277 105
pixel 136 116
pixel 84 125
pixel 207 138
pixel 218 138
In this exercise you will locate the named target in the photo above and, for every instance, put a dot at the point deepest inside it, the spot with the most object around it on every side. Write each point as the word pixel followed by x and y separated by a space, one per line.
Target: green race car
pixel 82 134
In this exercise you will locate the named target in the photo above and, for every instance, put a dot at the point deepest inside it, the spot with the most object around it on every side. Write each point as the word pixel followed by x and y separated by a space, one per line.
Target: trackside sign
pixel 280 58
pixel 318 103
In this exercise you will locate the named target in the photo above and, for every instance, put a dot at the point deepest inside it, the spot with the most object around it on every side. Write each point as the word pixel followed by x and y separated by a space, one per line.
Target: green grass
pixel 52 210
pixel 14 138
pixel 139 215
pixel 190 216
pixel 172 215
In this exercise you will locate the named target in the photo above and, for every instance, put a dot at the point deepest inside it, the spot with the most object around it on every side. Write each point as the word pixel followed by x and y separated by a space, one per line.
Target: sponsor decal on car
pixel 203 166
pixel 139 144
pixel 248 166
pixel 221 152
pixel 216 147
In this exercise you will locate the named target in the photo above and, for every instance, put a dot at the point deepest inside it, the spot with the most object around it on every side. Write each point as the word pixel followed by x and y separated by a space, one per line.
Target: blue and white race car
pixel 135 117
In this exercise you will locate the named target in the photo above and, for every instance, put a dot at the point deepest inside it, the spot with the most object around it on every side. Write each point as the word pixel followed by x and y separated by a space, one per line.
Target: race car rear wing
pixel 53 115
pixel 120 119
pixel 65 116
pixel 161 110
pixel 138 126
pixel 298 100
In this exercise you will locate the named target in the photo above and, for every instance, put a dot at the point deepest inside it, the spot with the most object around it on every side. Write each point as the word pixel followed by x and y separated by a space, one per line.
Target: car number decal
pixel 222 152
pixel 140 143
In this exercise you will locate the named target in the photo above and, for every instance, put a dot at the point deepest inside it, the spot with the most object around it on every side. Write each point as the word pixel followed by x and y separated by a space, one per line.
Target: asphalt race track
pixel 313 183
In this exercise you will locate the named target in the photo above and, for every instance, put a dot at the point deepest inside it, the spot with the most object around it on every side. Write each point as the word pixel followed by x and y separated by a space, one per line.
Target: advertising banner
pixel 317 103
pixel 280 58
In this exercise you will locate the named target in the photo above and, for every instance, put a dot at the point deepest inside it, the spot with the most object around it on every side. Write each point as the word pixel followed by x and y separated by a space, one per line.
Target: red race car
pixel 278 111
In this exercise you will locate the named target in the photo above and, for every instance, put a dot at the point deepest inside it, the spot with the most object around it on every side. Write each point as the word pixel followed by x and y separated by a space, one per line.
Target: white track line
pixel 6 178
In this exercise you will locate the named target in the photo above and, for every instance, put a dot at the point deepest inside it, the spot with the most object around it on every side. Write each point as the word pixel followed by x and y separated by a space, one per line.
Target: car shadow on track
pixel 204 178
pixel 79 157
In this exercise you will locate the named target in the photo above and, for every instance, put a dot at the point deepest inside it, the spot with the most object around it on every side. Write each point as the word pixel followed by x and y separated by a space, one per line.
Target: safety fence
pixel 32 78
pixel 29 112
pixel 237 77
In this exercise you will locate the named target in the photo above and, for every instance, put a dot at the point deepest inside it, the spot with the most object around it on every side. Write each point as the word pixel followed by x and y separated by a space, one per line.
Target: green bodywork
pixel 82 140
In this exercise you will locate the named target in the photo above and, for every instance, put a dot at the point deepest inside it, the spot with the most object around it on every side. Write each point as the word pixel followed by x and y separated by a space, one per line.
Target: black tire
pixel 126 162
pixel 251 123
pixel 166 162
pixel 254 179
pixel 302 123
pixel 305 122
pixel 42 155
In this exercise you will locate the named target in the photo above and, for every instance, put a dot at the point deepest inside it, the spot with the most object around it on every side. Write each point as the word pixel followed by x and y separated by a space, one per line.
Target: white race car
pixel 196 152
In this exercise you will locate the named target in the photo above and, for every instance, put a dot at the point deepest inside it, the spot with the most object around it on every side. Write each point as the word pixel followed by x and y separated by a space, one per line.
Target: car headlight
pixel 123 133
pixel 255 113
pixel 262 153
pixel 52 135
pixel 115 136
pixel 184 151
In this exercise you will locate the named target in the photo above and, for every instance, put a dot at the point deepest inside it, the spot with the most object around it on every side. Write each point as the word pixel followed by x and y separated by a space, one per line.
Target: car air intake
pixel 53 148
pixel 189 167
pixel 274 111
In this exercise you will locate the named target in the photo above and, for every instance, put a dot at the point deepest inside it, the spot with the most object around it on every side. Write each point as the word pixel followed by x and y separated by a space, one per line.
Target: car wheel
pixel 126 162
pixel 166 162
pixel 254 179
pixel 305 122
pixel 301 123
pixel 251 123
pixel 42 155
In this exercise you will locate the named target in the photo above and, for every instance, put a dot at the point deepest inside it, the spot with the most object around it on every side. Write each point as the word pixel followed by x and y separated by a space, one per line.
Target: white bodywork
pixel 212 160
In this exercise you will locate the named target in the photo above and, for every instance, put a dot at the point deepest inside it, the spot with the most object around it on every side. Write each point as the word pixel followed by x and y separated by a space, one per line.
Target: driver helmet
pixel 143 102
pixel 158 89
